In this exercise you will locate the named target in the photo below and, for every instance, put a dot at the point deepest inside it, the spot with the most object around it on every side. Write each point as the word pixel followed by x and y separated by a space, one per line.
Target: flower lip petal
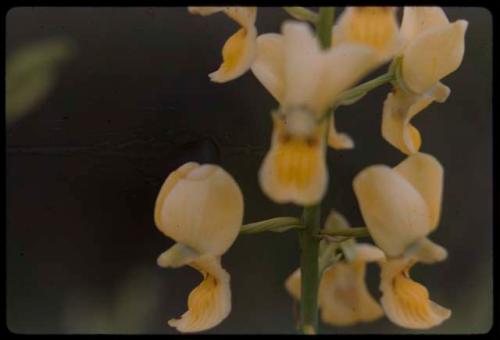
pixel 294 169
pixel 210 302
pixel 406 302
pixel 238 54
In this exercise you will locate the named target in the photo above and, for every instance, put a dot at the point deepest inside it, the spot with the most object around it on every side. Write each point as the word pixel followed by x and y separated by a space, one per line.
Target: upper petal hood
pixel 433 55
pixel 393 210
pixel 376 27
pixel 417 20
pixel 200 206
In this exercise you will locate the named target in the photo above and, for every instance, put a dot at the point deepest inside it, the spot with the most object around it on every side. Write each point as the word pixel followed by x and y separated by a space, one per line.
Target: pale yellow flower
pixel 343 296
pixel 201 208
pixel 400 207
pixel 240 49
pixel 305 80
pixel 432 49
pixel 376 27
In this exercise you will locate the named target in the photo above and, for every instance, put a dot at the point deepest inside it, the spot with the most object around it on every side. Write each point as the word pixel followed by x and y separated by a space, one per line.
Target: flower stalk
pixel 350 232
pixel 309 243
pixel 302 13
pixel 277 225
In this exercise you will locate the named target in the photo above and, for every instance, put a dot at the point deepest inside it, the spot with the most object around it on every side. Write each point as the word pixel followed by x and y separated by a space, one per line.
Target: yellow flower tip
pixel 399 108
pixel 402 205
pixel 433 55
pixel 406 302
pixel 210 302
pixel 338 140
pixel 344 297
pixel 238 54
pixel 204 10
pixel 200 206
pixel 294 169
pixel 292 284
pixel 376 27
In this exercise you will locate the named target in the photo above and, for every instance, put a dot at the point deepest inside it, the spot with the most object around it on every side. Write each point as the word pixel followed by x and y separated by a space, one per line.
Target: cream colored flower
pixel 239 50
pixel 305 81
pixel 201 208
pixel 376 27
pixel 400 207
pixel 343 296
pixel 432 49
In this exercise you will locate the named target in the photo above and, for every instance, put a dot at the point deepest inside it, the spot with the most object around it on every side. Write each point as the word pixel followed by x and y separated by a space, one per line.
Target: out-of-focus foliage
pixel 31 73
pixel 127 311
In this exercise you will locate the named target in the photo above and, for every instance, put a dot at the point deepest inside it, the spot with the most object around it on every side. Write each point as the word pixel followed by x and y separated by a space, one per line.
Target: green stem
pixel 350 232
pixel 309 245
pixel 324 26
pixel 302 13
pixel 277 224
pixel 309 242
pixel 354 94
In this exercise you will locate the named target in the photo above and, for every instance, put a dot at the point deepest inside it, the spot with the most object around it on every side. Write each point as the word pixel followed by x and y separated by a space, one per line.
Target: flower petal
pixel 344 297
pixel 294 170
pixel 177 256
pixel 406 302
pixel 238 54
pixel 343 66
pixel 268 66
pixel 205 10
pixel 439 92
pixel 210 302
pixel 365 252
pixel 395 213
pixel 245 16
pixel 338 140
pixel 417 20
pixel 399 108
pixel 426 251
pixel 200 206
pixel 292 284
pixel 303 64
pixel 376 27
pixel 425 174
pixel 433 55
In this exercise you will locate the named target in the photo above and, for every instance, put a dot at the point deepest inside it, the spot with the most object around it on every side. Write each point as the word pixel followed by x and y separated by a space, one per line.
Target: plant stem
pixel 309 245
pixel 302 13
pixel 277 224
pixel 348 232
pixel 324 26
pixel 363 88
pixel 309 242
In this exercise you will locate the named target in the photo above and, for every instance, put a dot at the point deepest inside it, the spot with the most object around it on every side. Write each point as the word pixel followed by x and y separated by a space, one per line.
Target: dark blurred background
pixel 134 103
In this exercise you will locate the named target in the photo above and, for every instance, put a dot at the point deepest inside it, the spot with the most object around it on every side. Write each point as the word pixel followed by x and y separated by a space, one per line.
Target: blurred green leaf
pixel 31 73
